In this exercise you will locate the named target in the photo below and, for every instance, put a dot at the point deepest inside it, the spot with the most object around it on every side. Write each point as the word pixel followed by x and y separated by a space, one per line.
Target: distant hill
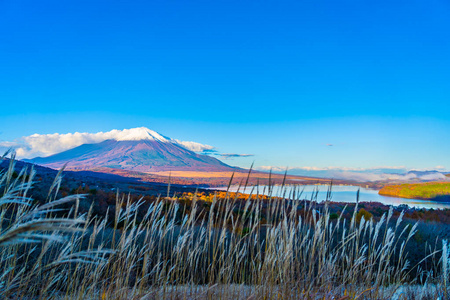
pixel 438 191
pixel 143 150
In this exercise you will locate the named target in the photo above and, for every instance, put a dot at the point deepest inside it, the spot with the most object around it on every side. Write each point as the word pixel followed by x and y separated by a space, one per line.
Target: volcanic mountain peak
pixel 136 149
pixel 141 133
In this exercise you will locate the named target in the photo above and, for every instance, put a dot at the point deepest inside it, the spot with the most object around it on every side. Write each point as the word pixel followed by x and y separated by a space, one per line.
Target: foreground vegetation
pixel 426 191
pixel 226 247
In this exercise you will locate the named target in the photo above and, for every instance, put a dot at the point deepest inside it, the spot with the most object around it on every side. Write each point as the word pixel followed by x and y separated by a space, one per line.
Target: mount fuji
pixel 137 149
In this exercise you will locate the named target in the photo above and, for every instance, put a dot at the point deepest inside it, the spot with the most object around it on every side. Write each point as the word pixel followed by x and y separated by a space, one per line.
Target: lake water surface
pixel 340 193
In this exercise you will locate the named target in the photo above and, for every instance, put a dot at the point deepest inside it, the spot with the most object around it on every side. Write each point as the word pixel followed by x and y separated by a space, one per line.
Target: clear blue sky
pixel 278 79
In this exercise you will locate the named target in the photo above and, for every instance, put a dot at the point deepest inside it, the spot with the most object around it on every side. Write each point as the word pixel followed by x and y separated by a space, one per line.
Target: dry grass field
pixel 222 249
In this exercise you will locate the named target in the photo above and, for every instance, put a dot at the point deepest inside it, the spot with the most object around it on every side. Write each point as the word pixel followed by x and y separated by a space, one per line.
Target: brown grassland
pixel 225 246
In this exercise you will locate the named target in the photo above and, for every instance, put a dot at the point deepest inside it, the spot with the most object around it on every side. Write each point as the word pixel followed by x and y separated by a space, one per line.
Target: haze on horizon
pixel 353 84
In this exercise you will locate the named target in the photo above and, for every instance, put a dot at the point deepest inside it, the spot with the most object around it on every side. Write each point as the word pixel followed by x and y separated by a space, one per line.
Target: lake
pixel 341 193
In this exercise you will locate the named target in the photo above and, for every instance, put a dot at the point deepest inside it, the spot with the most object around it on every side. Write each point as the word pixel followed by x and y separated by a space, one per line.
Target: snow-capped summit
pixel 140 133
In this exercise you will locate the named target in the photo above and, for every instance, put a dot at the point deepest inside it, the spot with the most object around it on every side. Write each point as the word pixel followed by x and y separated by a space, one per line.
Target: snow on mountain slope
pixel 141 133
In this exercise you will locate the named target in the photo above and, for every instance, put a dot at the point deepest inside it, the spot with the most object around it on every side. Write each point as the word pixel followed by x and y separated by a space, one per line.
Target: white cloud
pixel 234 155
pixel 48 144
pixel 434 176
pixel 194 146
